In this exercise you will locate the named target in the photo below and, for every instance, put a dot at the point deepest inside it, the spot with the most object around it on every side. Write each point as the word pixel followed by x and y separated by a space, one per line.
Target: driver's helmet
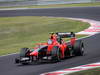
pixel 50 41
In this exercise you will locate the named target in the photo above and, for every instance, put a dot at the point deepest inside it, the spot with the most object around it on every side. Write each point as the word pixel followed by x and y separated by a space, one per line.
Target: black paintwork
pixel 92 44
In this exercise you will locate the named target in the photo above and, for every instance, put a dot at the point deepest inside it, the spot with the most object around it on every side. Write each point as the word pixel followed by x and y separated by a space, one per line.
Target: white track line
pixel 24 8
pixel 94 25
pixel 8 54
pixel 74 69
pixel 92 30
pixel 12 9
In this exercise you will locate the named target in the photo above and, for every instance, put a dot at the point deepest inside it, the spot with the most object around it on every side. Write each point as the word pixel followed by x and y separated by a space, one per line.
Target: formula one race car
pixel 54 50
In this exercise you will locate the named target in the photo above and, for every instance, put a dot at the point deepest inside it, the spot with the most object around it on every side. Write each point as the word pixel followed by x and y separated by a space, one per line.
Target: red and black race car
pixel 55 49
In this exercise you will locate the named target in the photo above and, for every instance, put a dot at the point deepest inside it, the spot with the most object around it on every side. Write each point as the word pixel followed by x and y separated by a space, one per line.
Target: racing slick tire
pixel 56 54
pixel 78 48
pixel 23 53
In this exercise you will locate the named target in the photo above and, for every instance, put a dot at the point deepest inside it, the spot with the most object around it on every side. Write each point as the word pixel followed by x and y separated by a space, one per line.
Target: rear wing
pixel 65 34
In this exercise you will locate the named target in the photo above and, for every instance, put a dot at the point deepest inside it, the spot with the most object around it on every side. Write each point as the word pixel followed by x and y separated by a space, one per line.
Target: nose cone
pixel 34 53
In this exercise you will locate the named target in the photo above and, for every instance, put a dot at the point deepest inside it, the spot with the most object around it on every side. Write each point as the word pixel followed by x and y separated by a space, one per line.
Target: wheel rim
pixel 82 50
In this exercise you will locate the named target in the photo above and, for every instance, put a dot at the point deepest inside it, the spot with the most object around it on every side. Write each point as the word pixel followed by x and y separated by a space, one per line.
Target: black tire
pixel 17 60
pixel 78 48
pixel 55 53
pixel 23 52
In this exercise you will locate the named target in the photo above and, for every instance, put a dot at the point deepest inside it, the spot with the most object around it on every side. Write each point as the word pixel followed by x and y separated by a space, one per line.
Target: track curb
pixel 74 69
pixel 82 32
pixel 92 30
pixel 89 31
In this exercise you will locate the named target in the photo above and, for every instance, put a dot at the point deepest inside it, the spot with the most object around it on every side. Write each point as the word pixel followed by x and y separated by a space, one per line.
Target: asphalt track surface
pixel 92 44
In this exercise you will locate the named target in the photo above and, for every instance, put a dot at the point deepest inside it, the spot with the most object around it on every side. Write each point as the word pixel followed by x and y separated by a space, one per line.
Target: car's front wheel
pixel 56 54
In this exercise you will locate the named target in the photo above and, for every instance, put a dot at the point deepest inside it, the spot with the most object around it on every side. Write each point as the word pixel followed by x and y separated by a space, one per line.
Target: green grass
pixel 95 71
pixel 18 32
pixel 58 5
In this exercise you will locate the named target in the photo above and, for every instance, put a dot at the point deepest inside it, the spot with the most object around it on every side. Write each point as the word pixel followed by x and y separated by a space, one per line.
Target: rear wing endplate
pixel 65 34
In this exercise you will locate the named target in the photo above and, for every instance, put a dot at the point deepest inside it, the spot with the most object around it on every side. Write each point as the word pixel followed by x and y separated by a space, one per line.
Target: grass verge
pixel 58 5
pixel 95 71
pixel 18 32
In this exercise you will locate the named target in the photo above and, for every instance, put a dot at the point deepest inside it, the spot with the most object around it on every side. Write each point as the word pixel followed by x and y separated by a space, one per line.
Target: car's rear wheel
pixel 56 54
pixel 78 48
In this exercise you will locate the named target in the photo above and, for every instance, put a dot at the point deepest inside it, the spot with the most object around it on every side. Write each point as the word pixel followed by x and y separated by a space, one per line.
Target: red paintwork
pixel 34 53
pixel 73 40
pixel 62 46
